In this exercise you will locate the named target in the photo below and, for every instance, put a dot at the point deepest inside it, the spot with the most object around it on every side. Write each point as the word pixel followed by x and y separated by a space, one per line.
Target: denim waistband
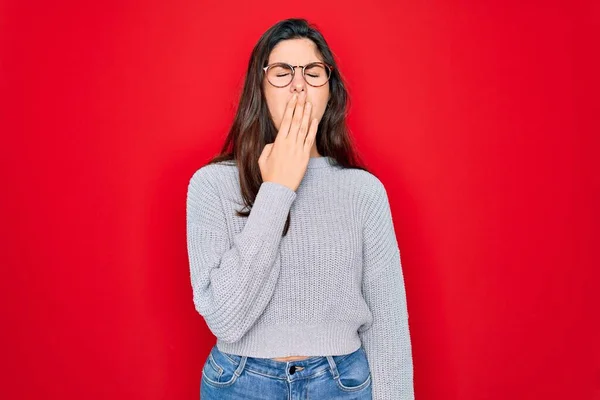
pixel 289 370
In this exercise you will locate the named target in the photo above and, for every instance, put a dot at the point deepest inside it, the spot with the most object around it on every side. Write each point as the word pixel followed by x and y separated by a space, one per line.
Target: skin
pixel 296 52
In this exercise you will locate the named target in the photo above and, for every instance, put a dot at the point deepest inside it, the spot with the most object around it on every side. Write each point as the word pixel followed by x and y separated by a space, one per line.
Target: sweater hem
pixel 295 340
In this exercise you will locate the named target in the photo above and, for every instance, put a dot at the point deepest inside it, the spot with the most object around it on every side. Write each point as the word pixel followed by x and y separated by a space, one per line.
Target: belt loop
pixel 332 367
pixel 240 367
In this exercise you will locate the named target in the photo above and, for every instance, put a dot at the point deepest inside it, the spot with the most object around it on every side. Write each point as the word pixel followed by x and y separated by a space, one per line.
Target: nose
pixel 298 84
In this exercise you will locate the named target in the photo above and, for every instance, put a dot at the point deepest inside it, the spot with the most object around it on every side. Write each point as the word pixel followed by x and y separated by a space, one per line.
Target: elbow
pixel 227 333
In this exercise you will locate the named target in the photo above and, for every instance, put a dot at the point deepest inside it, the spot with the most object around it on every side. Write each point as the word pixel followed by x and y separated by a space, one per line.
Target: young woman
pixel 293 257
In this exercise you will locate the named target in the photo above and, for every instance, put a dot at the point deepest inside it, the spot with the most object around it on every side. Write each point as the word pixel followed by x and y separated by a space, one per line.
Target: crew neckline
pixel 313 162
pixel 319 162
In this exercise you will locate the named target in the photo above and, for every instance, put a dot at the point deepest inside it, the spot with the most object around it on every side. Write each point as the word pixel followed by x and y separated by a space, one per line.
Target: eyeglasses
pixel 281 74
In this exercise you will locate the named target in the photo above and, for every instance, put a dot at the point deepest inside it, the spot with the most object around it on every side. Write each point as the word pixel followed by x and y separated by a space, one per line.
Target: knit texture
pixel 332 283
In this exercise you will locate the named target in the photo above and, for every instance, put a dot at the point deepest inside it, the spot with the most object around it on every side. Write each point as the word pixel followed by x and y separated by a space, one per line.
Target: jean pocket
pixel 354 372
pixel 220 370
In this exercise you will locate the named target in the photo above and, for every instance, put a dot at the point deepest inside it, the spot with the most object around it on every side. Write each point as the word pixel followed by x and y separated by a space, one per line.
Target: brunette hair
pixel 253 128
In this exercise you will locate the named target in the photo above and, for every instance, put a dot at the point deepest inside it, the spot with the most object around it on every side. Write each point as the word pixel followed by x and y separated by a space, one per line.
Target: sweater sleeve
pixel 233 279
pixel 387 339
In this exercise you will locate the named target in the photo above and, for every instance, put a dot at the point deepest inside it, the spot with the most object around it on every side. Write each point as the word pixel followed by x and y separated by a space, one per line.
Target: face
pixel 295 52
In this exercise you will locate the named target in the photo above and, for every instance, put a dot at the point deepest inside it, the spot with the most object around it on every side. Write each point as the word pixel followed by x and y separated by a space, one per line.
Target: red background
pixel 480 119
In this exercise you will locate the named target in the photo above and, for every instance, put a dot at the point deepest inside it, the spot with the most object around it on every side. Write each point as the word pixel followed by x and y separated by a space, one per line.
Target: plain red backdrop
pixel 479 117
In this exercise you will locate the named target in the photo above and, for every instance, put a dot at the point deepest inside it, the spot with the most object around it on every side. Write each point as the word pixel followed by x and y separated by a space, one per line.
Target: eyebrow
pixel 284 62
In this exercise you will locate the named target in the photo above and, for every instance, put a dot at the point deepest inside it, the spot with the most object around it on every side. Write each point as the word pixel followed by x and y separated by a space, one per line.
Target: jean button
pixel 292 369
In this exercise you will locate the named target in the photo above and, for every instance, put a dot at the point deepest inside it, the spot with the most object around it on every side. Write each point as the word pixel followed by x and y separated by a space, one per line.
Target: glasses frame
pixel 293 68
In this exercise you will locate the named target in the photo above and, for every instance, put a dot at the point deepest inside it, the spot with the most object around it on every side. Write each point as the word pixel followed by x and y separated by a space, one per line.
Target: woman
pixel 294 262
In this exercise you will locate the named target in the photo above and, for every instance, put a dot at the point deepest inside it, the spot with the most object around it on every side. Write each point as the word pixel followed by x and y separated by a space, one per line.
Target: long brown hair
pixel 253 128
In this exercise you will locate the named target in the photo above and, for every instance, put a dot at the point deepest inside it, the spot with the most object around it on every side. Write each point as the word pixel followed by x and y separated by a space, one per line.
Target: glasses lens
pixel 316 74
pixel 279 74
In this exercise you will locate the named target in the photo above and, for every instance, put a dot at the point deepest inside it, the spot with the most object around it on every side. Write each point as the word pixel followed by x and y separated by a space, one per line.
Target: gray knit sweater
pixel 332 283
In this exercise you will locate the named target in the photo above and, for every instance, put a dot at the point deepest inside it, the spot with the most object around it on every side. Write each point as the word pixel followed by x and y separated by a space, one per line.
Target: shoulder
pixel 208 176
pixel 370 196
pixel 367 185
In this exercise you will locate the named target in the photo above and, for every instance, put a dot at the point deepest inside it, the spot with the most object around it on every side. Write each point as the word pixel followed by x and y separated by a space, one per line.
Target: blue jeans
pixel 232 377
